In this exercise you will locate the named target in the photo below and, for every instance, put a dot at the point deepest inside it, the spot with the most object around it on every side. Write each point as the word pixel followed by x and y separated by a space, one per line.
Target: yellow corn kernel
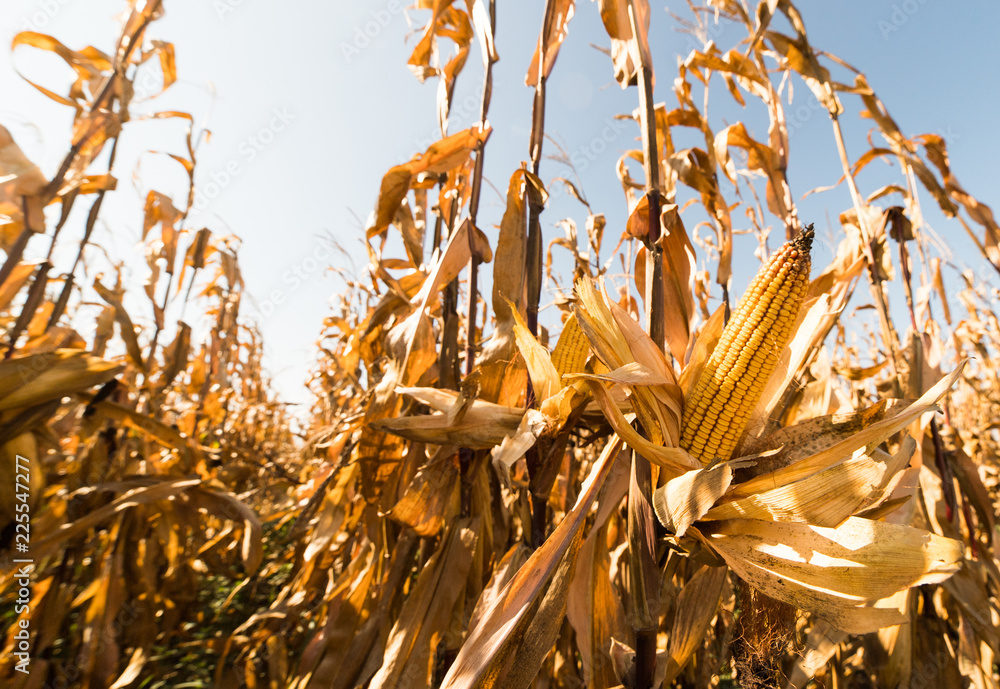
pixel 572 350
pixel 729 387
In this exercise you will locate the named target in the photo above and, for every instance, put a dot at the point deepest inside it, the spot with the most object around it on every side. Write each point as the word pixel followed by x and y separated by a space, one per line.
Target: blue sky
pixel 310 103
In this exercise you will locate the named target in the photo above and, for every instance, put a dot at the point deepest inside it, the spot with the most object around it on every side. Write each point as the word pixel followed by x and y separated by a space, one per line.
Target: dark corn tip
pixel 805 239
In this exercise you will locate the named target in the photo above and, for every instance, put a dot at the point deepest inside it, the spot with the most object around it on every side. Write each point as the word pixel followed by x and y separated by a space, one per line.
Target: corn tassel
pixel 735 375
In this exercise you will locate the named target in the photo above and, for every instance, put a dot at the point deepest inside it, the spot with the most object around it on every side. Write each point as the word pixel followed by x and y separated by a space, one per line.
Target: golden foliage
pixel 603 512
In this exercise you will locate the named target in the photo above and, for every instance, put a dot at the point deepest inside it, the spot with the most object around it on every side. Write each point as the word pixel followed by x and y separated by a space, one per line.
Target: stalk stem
pixel 644 573
pixel 466 456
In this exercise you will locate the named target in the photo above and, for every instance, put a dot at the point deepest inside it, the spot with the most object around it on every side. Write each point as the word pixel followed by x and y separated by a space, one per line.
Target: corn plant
pixel 141 435
pixel 647 487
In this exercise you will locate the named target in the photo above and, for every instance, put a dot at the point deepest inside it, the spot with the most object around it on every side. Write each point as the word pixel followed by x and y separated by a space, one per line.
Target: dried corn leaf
pixel 630 374
pixel 484 32
pixel 175 355
pixel 89 64
pixel 125 325
pixel 672 459
pixel 38 378
pixel 762 158
pixel 682 501
pixel 544 376
pixel 595 610
pixel 869 436
pixel 461 247
pixel 508 281
pixel 618 340
pixel 540 635
pixel 695 609
pixel 409 650
pixel 970 589
pixel 826 498
pixel 15 281
pixel 483 426
pixel 17 455
pixel 442 156
pixel 532 425
pixel 548 43
pixel 210 500
pixel 18 175
pixel 503 572
pixel 431 498
pixel 152 491
pixel 628 51
pixel 800 57
pixel 133 671
pixel 489 644
pixel 20 181
pixel 834 572
pixel 678 282
pixel 347 613
pixel 168 436
pixel 642 348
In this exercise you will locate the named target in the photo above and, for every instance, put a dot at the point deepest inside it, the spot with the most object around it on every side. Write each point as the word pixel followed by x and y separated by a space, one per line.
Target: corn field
pixel 665 478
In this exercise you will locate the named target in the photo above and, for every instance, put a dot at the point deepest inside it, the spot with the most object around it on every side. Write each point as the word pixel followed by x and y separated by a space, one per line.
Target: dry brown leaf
pixel 409 650
pixel 489 644
pixel 509 281
pixel 869 436
pixel 695 609
pixel 30 380
pixel 526 660
pixel 562 12
pixel 483 426
pixel 682 501
pixel 595 610
pixel 125 326
pixel 836 573
pixel 826 498
pixel 672 460
pixel 766 160
pixel 442 156
pixel 628 51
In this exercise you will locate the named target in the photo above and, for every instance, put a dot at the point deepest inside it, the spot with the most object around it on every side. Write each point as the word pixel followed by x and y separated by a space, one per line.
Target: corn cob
pixel 572 350
pixel 729 387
